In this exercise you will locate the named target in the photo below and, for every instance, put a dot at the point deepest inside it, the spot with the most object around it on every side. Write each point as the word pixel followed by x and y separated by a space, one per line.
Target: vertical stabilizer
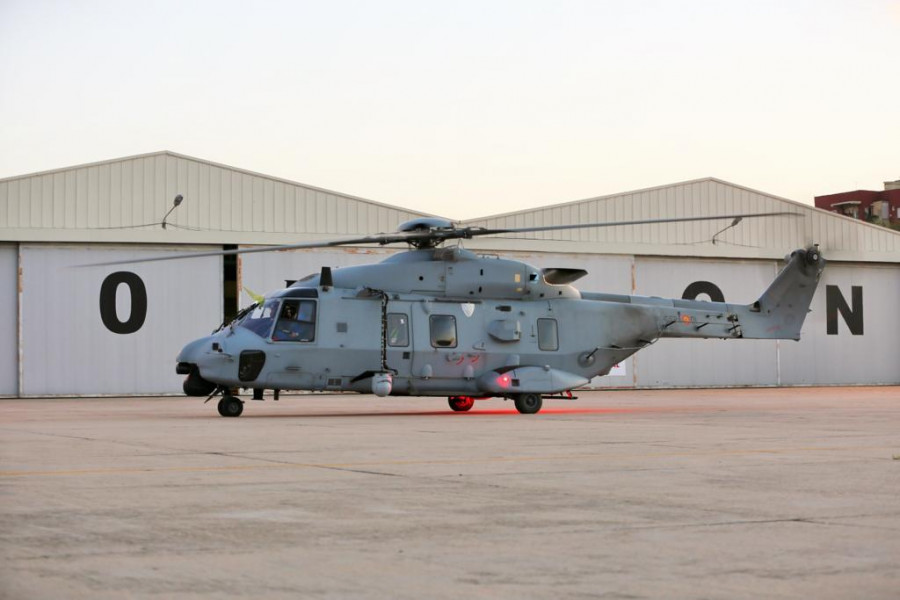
pixel 782 308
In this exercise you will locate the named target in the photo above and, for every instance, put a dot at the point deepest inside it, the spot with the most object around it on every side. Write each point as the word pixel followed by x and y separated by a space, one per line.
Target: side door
pixel 399 337
pixel 449 340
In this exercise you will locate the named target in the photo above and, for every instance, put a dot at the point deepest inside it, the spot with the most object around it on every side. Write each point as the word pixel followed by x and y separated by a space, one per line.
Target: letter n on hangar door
pixel 835 303
pixel 108 292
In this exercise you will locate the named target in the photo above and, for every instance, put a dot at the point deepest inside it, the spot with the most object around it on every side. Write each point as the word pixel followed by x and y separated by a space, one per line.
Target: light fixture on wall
pixel 175 204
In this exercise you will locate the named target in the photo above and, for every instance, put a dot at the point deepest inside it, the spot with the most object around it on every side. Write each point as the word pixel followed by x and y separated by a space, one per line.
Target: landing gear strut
pixel 230 406
pixel 528 404
pixel 461 403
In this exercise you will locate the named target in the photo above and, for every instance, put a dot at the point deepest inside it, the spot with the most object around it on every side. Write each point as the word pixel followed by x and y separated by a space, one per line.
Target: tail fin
pixel 780 311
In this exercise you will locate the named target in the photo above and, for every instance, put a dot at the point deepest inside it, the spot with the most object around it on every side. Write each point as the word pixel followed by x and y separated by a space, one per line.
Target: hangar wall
pixel 9 306
pixel 108 330
pixel 55 325
pixel 852 335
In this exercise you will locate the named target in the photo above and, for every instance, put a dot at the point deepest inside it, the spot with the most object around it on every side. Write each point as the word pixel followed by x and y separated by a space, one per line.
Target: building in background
pixel 881 207
pixel 115 330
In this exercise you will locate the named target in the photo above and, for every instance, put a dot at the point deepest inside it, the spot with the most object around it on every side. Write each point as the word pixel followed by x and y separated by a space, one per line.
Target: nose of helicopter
pixel 190 355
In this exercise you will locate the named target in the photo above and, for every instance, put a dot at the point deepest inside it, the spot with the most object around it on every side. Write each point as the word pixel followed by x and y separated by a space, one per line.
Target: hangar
pixel 70 330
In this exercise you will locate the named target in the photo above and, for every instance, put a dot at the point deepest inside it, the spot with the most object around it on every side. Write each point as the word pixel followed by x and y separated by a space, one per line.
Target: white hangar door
pixel 9 300
pixel 115 329
pixel 705 362
pixel 852 336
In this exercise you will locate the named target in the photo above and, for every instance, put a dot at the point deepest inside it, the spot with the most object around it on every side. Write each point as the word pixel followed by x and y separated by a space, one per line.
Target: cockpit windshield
pixel 260 319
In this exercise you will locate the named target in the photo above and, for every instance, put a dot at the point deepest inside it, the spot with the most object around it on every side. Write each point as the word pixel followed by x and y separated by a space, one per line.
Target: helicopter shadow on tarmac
pixel 510 412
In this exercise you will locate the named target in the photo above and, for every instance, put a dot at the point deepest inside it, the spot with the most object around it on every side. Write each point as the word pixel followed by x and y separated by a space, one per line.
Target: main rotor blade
pixel 435 235
pixel 382 239
pixel 482 231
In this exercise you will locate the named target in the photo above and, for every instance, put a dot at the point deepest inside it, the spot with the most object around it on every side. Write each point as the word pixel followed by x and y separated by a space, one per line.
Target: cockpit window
pixel 296 322
pixel 260 319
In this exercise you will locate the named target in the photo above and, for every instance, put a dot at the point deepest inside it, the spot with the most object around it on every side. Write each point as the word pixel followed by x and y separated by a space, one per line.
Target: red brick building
pixel 865 205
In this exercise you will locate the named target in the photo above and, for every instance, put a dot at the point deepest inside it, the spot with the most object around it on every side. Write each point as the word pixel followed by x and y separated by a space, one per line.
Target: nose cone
pixel 191 352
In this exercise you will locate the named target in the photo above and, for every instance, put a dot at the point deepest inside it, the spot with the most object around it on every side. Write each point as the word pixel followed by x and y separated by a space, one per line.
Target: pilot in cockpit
pixel 288 327
pixel 289 312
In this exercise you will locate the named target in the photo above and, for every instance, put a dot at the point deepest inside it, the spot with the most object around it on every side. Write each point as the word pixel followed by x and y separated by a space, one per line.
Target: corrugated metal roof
pixel 840 238
pixel 125 200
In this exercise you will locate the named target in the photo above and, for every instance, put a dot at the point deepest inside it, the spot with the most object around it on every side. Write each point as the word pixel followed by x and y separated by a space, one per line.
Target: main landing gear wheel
pixel 528 404
pixel 461 403
pixel 229 406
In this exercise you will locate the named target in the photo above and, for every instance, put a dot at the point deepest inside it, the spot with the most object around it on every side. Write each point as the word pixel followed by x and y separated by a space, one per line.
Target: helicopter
pixel 444 321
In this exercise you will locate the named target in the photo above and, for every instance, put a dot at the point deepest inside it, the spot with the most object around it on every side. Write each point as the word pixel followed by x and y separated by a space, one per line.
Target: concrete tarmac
pixel 728 493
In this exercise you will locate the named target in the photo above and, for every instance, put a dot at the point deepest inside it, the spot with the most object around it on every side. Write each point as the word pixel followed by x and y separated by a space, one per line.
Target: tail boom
pixel 779 312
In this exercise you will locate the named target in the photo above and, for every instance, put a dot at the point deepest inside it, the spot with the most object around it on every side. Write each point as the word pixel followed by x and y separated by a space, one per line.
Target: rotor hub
pixel 430 230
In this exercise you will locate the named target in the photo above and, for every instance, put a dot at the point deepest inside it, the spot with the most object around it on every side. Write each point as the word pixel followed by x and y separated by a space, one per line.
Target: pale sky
pixel 463 108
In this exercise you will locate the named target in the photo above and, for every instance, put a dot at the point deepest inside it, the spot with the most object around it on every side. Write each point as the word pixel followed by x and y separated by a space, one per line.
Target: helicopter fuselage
pixel 446 322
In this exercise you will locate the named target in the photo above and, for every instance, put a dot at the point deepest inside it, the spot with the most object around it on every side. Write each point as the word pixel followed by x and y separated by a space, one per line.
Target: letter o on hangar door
pixel 703 287
pixel 108 292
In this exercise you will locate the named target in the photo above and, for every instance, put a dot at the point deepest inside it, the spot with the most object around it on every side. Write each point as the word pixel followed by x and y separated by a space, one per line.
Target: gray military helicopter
pixel 444 321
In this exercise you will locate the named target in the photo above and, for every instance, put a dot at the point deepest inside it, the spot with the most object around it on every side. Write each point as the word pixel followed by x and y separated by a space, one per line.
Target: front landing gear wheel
pixel 229 406
pixel 461 403
pixel 528 404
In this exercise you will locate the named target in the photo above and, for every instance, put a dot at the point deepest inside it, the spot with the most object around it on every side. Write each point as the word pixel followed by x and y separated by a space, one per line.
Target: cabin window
pixel 548 335
pixel 397 329
pixel 296 322
pixel 443 331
